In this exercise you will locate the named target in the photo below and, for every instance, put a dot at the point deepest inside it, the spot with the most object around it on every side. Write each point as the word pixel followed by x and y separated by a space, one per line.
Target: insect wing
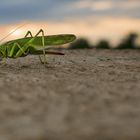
pixel 59 39
pixel 51 40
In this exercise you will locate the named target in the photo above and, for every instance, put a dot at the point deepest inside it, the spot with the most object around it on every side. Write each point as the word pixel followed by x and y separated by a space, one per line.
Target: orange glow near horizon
pixel 95 29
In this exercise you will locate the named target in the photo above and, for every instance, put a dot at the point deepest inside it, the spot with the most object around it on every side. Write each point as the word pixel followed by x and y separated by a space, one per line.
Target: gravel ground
pixel 83 95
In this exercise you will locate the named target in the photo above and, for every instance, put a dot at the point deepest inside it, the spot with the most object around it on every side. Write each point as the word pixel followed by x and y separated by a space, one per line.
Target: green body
pixel 33 45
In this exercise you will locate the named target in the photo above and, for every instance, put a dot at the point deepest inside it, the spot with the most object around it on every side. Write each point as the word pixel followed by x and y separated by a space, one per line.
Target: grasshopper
pixel 37 45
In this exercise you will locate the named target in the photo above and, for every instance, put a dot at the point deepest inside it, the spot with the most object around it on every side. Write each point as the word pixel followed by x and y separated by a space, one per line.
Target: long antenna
pixel 12 32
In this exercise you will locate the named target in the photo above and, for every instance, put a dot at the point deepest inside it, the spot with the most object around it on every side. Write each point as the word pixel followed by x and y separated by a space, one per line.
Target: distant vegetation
pixel 80 44
pixel 129 42
pixel 103 44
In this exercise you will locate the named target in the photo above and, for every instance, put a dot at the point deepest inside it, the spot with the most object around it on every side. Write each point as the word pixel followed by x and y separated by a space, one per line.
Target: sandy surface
pixel 84 95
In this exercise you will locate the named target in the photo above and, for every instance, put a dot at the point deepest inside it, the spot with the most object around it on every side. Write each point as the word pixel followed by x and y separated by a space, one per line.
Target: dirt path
pixel 84 95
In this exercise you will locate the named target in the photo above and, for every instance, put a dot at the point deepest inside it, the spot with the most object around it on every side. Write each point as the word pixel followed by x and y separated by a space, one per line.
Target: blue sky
pixel 36 10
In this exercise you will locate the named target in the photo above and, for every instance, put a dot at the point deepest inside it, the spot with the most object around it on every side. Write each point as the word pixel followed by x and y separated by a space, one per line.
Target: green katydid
pixel 37 45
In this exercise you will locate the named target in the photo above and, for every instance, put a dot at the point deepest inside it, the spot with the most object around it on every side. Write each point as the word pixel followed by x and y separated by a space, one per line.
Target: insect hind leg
pixel 28 33
pixel 43 44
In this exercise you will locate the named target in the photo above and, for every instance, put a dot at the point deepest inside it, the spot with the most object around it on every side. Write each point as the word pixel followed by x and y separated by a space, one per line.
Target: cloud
pixel 107 4
pixel 119 8
pixel 131 4
pixel 94 5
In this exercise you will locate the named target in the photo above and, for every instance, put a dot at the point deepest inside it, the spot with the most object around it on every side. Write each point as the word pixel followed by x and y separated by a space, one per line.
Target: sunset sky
pixel 93 19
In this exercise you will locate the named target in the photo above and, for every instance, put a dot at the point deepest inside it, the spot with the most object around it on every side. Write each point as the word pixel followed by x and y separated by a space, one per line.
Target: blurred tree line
pixel 129 42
